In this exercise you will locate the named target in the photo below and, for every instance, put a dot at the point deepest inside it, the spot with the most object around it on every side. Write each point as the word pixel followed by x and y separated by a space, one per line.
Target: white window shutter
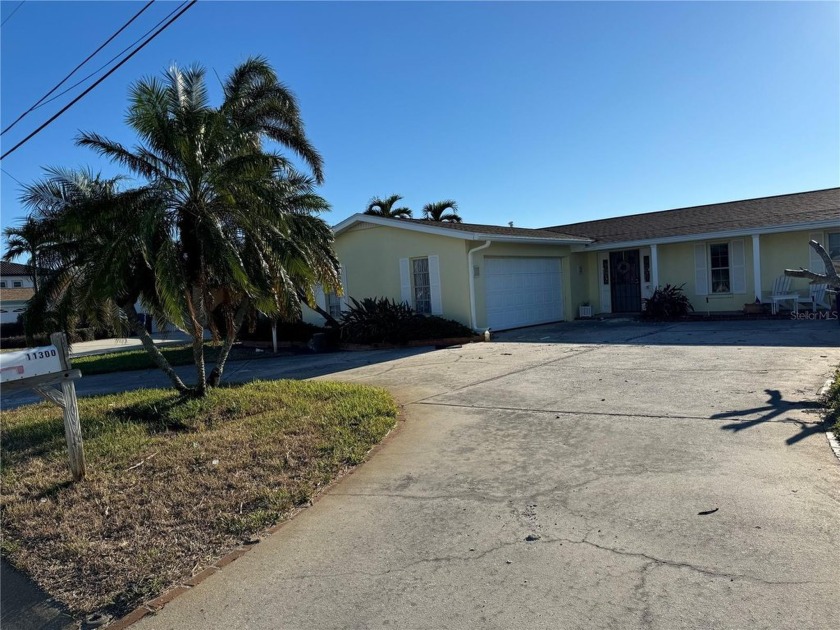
pixel 701 276
pixel 434 285
pixel 815 263
pixel 738 266
pixel 405 282
pixel 344 295
pixel 320 298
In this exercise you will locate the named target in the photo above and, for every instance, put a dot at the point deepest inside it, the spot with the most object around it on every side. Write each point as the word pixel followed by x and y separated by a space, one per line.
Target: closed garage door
pixel 523 291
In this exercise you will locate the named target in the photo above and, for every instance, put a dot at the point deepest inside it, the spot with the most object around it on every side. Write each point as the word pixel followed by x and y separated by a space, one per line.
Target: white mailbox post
pixel 47 372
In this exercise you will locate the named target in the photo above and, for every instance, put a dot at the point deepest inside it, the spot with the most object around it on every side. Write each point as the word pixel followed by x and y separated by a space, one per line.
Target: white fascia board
pixel 708 236
pixel 459 234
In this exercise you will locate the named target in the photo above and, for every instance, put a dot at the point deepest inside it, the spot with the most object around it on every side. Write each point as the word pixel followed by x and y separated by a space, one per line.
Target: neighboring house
pixel 16 287
pixel 726 255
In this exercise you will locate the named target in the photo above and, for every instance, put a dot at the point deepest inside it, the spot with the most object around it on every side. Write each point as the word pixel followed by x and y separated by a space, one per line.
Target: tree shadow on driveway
pixel 776 406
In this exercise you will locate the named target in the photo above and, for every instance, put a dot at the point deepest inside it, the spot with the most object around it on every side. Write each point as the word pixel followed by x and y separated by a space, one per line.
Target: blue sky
pixel 538 113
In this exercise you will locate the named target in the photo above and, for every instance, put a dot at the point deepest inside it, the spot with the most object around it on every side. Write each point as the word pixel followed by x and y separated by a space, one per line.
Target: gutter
pixel 470 270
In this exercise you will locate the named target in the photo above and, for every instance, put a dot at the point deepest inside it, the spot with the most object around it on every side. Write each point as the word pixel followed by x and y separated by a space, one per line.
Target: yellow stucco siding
pixel 519 250
pixel 777 252
pixel 370 257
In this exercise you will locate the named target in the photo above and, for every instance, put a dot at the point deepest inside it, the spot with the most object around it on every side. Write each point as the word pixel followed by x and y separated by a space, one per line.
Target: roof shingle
pixel 781 210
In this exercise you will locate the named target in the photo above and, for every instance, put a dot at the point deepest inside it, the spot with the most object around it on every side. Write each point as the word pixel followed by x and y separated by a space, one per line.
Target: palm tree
pixel 385 208
pixel 445 211
pixel 213 209
pixel 25 240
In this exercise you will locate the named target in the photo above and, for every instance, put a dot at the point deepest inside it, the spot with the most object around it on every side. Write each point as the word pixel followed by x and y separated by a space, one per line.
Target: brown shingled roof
pixel 498 230
pixel 13 269
pixel 781 210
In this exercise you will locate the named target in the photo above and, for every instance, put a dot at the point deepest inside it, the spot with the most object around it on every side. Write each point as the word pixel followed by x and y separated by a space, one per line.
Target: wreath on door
pixel 623 267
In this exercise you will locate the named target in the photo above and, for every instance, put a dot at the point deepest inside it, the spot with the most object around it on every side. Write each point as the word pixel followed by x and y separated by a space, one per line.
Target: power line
pixel 9 17
pixel 73 71
pixel 12 176
pixel 39 105
pixel 98 81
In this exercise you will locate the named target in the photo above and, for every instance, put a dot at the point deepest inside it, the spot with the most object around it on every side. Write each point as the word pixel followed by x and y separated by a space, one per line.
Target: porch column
pixel 756 266
pixel 654 266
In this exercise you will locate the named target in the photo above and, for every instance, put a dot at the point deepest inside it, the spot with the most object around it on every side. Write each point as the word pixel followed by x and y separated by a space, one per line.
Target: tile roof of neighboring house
pixel 764 212
pixel 16 295
pixel 14 269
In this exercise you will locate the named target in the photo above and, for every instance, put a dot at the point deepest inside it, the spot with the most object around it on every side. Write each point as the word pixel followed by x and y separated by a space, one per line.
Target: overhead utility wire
pixel 73 71
pixel 109 62
pixel 9 17
pixel 97 82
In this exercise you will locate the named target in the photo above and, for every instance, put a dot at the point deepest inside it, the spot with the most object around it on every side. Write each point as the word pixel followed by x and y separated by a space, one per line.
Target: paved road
pixel 669 476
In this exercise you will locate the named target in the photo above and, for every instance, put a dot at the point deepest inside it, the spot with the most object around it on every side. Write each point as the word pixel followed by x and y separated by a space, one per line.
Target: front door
pixel 626 286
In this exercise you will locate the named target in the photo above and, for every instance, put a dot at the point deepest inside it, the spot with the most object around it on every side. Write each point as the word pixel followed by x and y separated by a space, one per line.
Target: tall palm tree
pixel 25 240
pixel 210 210
pixel 385 208
pixel 445 211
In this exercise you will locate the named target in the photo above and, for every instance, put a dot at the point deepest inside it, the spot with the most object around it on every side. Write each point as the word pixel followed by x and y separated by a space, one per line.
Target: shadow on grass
pixel 775 407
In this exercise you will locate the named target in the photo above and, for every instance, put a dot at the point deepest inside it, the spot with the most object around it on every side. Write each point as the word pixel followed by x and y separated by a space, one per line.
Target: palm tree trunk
pixel 233 329
pixel 198 348
pixel 151 348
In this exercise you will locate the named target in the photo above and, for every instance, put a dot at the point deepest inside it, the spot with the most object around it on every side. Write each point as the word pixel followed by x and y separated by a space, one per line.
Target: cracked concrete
pixel 606 441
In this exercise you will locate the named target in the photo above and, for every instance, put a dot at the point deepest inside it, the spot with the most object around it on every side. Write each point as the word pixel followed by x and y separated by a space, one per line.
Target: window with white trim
pixel 421 285
pixel 17 284
pixel 333 303
pixel 719 267
pixel 2 285
pixel 834 246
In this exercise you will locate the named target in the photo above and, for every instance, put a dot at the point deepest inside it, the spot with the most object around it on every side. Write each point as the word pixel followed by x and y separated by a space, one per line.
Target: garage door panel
pixel 523 291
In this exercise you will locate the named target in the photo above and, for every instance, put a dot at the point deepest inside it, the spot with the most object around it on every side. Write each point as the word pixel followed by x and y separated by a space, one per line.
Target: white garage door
pixel 523 291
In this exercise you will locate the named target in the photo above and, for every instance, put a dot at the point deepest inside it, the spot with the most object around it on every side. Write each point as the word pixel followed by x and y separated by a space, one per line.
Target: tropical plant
pixel 382 320
pixel 444 211
pixel 220 225
pixel 25 240
pixel 385 208
pixel 668 302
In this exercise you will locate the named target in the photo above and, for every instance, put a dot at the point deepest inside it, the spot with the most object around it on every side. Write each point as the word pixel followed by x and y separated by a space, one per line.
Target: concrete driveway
pixel 596 476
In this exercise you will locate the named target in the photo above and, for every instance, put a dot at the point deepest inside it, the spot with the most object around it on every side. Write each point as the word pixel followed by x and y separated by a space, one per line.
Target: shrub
pixel 668 302
pixel 260 330
pixel 381 320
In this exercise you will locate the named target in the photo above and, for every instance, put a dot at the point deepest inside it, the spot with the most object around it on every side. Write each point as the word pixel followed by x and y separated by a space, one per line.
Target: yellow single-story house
pixel 726 255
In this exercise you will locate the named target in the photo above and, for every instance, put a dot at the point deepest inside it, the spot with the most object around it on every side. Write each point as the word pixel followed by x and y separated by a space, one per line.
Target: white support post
pixel 756 248
pixel 654 266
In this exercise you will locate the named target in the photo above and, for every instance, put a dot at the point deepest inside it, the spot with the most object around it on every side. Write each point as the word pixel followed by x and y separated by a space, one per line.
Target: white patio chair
pixel 781 293
pixel 816 297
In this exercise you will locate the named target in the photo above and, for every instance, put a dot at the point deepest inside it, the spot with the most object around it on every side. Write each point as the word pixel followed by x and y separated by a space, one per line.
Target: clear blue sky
pixel 537 113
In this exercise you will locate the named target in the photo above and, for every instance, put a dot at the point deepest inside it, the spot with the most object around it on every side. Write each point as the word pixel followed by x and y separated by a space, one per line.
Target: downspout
pixel 472 282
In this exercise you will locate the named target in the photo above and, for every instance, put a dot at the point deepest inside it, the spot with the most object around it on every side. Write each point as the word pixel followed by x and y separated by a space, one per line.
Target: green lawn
pixel 172 483
pixel 139 359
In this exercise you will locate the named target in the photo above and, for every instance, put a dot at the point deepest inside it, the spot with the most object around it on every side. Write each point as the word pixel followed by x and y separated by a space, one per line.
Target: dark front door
pixel 626 286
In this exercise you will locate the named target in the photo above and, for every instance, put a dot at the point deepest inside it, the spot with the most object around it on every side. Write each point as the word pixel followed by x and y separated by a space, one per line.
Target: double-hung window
pixel 834 246
pixel 333 304
pixel 17 284
pixel 720 269
pixel 421 285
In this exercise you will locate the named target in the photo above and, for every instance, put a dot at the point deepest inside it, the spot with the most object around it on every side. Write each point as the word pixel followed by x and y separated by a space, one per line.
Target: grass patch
pixel 214 471
pixel 832 404
pixel 139 359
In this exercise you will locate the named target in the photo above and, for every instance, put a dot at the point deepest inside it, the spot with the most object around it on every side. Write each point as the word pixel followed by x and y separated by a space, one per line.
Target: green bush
pixel 668 302
pixel 382 320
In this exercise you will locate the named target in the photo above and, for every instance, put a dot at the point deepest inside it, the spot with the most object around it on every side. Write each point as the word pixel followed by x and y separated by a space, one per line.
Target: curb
pixel 833 442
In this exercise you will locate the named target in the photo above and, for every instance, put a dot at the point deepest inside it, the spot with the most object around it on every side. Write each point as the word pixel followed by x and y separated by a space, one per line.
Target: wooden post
pixel 72 426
